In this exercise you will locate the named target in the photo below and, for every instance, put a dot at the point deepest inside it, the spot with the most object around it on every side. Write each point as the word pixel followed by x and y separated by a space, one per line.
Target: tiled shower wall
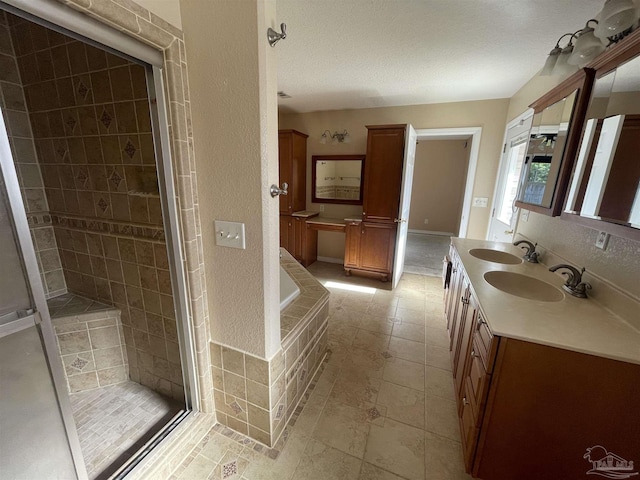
pixel 89 112
pixel 16 119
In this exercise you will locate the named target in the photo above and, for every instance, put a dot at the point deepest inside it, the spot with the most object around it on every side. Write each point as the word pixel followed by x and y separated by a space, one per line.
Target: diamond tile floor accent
pixel 114 422
pixel 371 414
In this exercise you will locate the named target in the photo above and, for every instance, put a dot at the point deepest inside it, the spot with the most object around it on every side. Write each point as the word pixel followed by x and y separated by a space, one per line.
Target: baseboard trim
pixel 331 260
pixel 429 232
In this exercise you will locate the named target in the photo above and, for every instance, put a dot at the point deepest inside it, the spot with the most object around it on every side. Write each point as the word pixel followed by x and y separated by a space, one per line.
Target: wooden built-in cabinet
pixel 295 235
pixel 292 161
pixel 529 411
pixel 369 248
pixel 370 244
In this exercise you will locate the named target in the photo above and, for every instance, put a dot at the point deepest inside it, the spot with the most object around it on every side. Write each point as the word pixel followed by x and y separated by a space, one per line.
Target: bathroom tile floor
pixel 383 407
pixel 115 421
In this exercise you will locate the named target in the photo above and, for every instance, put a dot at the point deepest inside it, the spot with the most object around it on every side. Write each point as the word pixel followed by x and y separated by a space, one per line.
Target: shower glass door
pixel 37 436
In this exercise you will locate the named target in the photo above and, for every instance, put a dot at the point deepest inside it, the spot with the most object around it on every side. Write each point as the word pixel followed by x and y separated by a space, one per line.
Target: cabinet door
pixel 352 244
pixel 286 233
pixel 298 238
pixel 285 158
pixel 298 184
pixel 376 246
pixel 383 173
pixel 461 352
pixel 469 431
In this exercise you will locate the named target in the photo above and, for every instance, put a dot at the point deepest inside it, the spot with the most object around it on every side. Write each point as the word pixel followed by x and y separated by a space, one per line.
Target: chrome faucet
pixel 574 284
pixel 530 255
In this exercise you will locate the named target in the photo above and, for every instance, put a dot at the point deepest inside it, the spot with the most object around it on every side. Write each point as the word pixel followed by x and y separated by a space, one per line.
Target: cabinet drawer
pixel 486 344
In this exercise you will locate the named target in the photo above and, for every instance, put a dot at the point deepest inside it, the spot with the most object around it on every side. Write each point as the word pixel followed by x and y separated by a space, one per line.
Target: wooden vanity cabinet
pixel 369 248
pixel 299 239
pixel 292 162
pixel 531 411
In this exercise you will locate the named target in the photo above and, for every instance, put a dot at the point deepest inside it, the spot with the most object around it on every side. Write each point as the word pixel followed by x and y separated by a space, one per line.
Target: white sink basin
pixel 523 286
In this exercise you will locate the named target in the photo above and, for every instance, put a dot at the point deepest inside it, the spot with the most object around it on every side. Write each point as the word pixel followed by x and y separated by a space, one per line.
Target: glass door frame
pixel 41 318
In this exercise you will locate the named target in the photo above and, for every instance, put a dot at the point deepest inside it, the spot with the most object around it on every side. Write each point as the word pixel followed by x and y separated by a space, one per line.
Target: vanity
pixel 539 376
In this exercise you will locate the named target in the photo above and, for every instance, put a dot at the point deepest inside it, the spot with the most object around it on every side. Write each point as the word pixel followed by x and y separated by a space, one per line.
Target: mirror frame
pixel 624 51
pixel 324 158
pixel 582 83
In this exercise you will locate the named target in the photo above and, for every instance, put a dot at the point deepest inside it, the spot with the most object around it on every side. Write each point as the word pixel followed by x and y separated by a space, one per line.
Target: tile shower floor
pixel 115 421
pixel 383 407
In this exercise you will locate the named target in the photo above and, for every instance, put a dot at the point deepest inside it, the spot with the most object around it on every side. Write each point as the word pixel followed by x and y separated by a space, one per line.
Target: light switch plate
pixel 524 215
pixel 230 234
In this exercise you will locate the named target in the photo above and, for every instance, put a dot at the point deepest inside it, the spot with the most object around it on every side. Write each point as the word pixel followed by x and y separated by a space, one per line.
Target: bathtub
pixel 288 289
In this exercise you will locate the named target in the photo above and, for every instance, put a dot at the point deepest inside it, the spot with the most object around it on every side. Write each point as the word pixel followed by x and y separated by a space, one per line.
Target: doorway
pixel 83 141
pixel 446 161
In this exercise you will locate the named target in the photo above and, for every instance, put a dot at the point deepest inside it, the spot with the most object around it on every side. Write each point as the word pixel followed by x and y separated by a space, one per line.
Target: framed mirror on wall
pixel 605 184
pixel 555 135
pixel 337 179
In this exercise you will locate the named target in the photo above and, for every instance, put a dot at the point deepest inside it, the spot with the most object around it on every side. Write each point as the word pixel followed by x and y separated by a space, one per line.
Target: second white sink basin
pixel 495 256
pixel 523 286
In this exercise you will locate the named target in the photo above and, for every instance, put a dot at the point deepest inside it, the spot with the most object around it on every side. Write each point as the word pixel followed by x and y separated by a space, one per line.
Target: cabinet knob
pixel 465 301
pixel 473 353
pixel 465 401
pixel 480 321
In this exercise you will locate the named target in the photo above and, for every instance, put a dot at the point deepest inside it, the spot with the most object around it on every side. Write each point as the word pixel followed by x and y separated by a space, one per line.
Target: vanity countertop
pixel 576 324
pixel 305 214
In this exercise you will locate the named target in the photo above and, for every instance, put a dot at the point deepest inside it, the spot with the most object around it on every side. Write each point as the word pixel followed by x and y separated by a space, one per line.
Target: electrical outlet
pixel 602 240
pixel 230 234
pixel 426 221
pixel 524 215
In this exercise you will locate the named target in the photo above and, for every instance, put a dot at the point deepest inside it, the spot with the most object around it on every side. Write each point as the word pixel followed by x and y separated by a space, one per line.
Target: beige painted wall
pixel 619 264
pixel 488 114
pixel 438 185
pixel 168 10
pixel 233 78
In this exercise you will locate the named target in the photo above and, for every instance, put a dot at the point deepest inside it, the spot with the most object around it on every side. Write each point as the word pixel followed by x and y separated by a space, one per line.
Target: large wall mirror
pixel 337 179
pixel 545 152
pixel 605 184
pixel 553 142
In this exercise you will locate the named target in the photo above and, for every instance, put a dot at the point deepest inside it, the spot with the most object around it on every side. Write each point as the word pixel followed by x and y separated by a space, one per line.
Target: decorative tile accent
pixel 82 177
pixel 386 355
pixel 148 233
pixel 130 149
pixel 106 119
pixel 61 151
pixel 229 469
pixel 235 407
pixel 280 411
pixel 373 413
pixel 79 363
pixel 83 90
pixel 71 123
pixel 102 203
pixel 115 179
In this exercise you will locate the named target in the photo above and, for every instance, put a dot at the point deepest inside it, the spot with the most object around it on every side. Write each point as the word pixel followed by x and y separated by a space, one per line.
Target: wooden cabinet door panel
pixel 352 244
pixel 285 159
pixel 463 350
pixel 298 238
pixel 469 432
pixel 376 246
pixel 383 173
pixel 286 233
pixel 477 383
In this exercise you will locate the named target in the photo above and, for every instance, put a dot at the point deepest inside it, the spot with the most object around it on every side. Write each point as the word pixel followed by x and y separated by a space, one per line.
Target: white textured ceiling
pixel 344 54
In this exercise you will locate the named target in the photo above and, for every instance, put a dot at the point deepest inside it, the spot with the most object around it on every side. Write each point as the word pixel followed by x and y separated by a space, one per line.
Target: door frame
pixel 474 151
pixel 519 120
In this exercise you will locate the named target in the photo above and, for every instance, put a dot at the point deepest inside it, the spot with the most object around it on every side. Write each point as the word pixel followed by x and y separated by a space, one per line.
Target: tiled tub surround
pixel 257 397
pixel 90 341
pixel 14 107
pixel 89 113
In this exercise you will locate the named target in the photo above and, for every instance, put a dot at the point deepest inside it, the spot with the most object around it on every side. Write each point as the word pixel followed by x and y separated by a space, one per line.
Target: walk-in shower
pixel 94 251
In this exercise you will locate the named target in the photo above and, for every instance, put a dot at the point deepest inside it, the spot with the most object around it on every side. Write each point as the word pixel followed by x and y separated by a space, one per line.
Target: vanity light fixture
pixel 587 46
pixel 617 19
pixel 336 137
